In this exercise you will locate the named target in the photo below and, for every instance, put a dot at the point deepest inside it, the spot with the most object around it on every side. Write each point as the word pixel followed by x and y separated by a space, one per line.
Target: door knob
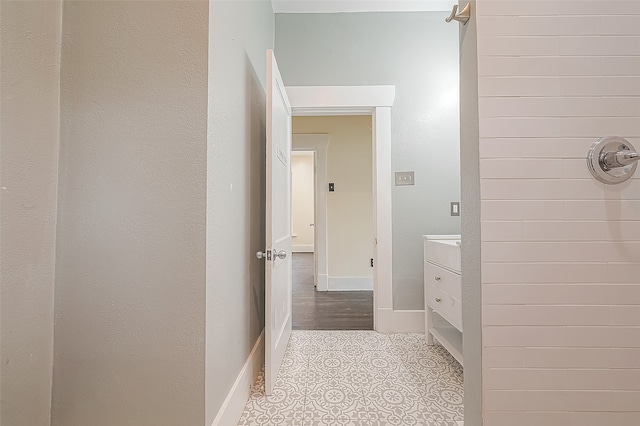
pixel 267 254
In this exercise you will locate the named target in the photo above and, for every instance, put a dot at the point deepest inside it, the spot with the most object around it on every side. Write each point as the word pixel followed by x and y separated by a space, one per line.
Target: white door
pixel 278 271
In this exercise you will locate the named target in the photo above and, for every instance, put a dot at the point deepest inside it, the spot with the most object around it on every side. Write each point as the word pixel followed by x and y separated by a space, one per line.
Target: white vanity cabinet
pixel 443 292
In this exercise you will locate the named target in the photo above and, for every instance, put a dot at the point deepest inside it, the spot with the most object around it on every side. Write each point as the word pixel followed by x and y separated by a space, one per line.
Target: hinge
pixel 372 262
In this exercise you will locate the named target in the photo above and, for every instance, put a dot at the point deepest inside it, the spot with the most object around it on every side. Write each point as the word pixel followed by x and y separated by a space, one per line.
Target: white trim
pixel 382 176
pixel 323 282
pixel 302 248
pixel 400 321
pixel 377 101
pixel 234 403
pixel 350 283
pixel 339 100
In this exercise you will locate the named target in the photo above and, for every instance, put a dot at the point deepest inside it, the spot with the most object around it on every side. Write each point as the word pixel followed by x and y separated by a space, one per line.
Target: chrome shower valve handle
pixel 612 159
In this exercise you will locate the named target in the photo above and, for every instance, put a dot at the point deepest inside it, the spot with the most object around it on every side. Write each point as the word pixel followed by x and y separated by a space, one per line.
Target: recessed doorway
pixel 332 162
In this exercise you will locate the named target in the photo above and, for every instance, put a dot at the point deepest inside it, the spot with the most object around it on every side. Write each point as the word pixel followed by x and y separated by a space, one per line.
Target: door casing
pixel 375 101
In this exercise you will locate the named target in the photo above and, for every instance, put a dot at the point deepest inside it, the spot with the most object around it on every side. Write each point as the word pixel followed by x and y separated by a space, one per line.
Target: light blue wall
pixel 240 32
pixel 418 53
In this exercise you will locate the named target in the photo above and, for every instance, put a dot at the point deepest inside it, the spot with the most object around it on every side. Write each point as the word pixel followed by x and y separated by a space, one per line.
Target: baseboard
pixel 350 283
pixel 392 321
pixel 323 282
pixel 302 248
pixel 234 403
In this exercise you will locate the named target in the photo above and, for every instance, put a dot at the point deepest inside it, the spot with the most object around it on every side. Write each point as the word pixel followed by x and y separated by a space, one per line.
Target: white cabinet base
pixel 449 337
pixel 442 289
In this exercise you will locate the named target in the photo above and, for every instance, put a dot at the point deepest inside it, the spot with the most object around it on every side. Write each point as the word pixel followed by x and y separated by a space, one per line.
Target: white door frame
pixel 377 102
pixel 319 144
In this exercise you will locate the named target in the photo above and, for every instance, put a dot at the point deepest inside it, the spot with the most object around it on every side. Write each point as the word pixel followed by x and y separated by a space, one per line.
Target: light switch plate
pixel 455 208
pixel 404 178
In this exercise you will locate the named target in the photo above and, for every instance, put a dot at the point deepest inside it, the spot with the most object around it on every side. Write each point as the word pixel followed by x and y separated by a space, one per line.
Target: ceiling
pixel 335 6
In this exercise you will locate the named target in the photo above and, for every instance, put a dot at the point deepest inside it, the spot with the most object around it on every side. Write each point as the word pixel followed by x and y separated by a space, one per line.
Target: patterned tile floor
pixel 360 378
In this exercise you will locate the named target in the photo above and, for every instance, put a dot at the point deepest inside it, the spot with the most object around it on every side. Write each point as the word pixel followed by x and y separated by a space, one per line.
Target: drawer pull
pixel 438 300
pixel 437 278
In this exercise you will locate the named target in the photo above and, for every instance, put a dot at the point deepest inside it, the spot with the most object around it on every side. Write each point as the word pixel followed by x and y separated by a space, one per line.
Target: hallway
pixel 360 378
pixel 327 310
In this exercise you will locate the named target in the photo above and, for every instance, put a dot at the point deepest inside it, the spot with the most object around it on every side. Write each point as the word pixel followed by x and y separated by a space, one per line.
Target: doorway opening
pixel 318 145
pixel 376 102
pixel 303 203
pixel 343 263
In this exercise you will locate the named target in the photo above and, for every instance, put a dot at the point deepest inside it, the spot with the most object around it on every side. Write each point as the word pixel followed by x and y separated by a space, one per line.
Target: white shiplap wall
pixel 560 251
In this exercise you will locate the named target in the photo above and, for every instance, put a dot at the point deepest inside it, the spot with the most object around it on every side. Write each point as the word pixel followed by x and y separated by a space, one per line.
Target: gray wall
pixel 418 53
pixel 470 248
pixel 29 136
pixel 130 280
pixel 241 31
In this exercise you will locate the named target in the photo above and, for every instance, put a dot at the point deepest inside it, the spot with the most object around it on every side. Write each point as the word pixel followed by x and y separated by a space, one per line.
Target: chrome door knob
pixel 281 254
pixel 261 255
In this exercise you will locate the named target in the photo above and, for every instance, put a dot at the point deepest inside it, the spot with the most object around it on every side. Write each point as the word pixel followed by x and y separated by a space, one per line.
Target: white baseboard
pixel 392 321
pixel 350 283
pixel 234 403
pixel 323 282
pixel 302 248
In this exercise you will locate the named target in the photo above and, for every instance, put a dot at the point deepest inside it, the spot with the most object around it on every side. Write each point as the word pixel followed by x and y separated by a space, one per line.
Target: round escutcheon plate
pixel 597 166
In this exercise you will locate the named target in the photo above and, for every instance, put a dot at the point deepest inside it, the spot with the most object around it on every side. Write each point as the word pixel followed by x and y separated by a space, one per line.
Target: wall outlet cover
pixel 405 178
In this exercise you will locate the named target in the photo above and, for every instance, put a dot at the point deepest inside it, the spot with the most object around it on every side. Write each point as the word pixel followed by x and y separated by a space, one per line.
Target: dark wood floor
pixel 327 310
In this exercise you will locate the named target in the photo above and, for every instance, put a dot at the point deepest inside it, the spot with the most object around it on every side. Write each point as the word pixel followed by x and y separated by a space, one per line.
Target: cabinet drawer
pixel 448 307
pixel 443 279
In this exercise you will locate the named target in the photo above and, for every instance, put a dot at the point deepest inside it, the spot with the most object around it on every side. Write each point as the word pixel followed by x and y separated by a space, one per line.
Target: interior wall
pixel 29 135
pixel 418 53
pixel 302 200
pixel 130 279
pixel 470 220
pixel 240 33
pixel 350 206
pixel 560 250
